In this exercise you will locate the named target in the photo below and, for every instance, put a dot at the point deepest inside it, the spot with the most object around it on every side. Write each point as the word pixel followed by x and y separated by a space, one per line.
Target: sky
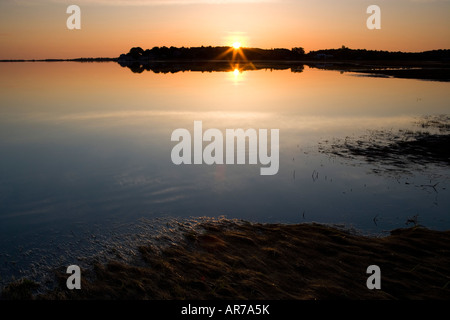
pixel 36 29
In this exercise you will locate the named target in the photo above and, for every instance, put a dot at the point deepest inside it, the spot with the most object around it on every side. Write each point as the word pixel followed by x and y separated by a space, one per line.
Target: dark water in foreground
pixel 85 154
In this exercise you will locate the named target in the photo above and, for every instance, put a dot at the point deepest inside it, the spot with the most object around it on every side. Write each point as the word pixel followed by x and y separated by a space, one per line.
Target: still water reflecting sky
pixel 90 143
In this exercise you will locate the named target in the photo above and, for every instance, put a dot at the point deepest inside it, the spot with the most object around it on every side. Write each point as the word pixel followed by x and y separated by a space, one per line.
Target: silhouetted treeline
pixel 211 53
pixel 345 53
pixel 429 65
pixel 137 54
pixel 294 54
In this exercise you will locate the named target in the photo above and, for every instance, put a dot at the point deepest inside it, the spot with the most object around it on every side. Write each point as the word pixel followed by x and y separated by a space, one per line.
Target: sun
pixel 236 45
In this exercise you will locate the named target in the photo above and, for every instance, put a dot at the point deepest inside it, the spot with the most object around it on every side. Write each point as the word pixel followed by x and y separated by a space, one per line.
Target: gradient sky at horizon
pixel 37 29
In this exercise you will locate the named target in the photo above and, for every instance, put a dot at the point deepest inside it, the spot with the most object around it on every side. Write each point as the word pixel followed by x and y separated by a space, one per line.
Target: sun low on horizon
pixel 37 29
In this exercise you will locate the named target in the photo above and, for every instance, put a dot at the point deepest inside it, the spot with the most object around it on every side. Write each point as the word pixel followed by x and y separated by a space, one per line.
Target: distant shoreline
pixel 219 53
pixel 431 65
pixel 62 60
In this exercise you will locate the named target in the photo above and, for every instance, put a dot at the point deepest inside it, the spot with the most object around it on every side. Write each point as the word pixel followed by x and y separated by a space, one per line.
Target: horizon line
pixel 208 46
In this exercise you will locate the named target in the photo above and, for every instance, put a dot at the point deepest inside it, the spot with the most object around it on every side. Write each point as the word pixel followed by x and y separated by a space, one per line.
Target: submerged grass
pixel 398 151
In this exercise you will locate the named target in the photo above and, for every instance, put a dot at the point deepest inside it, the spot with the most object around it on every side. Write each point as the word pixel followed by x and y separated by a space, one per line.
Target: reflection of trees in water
pixel 207 66
pixel 173 66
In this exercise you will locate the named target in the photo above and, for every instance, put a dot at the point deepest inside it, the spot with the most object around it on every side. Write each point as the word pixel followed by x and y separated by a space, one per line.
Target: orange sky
pixel 37 29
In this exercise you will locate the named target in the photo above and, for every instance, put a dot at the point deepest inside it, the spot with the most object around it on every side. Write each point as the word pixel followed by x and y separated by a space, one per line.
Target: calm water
pixel 86 146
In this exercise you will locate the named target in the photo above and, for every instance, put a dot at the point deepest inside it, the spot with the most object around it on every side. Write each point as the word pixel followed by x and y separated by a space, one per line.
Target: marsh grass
pixel 239 260
pixel 401 151
pixel 22 289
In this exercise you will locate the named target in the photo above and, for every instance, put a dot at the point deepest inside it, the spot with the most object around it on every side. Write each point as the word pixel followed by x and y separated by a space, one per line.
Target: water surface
pixel 86 147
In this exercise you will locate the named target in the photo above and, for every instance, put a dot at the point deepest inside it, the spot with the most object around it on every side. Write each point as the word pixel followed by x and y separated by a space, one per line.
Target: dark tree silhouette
pixel 276 54
pixel 136 52
pixel 298 50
